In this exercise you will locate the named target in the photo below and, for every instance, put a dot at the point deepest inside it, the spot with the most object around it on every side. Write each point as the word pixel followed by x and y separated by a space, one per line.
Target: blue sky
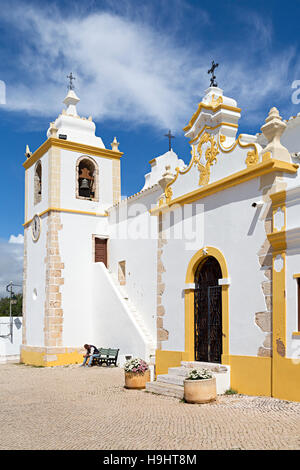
pixel 141 68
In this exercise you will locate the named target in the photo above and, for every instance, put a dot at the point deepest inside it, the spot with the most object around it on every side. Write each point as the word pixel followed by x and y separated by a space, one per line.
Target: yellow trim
pixel 240 177
pixel 72 146
pixel 237 142
pixel 296 333
pixel 166 359
pixel 279 307
pixel 211 107
pixel 72 211
pixel 278 198
pixel 211 129
pixel 278 202
pixel 277 240
pixel 198 258
pixel 252 158
pixel 250 375
pixel 40 357
pixel 282 387
pixel 295 276
pixel 285 371
pixel 266 156
pixel 286 379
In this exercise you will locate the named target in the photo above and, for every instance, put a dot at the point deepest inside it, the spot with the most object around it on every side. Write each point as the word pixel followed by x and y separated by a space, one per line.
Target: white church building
pixel 202 264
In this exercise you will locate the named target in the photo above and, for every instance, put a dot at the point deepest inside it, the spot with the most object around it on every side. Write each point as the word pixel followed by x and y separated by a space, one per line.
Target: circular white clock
pixel 36 227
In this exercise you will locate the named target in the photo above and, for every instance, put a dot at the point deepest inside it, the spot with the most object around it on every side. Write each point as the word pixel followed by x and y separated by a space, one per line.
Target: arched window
pixel 38 183
pixel 87 179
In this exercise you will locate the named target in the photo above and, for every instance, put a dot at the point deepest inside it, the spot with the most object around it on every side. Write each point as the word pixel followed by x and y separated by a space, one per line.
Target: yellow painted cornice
pixel 212 128
pixel 72 146
pixel 72 211
pixel 278 198
pixel 210 107
pixel 277 240
pixel 254 171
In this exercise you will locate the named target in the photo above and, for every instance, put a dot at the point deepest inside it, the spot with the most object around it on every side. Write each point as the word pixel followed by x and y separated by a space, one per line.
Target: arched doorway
pixel 208 311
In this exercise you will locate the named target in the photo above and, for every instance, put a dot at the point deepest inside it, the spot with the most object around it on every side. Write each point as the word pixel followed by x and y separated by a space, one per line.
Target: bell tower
pixel 70 181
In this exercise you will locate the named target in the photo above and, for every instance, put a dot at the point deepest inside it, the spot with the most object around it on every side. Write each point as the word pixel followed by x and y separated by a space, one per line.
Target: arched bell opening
pixel 38 183
pixel 87 179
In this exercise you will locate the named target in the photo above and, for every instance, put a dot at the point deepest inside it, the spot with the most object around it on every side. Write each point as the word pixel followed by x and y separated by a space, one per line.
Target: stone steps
pixel 204 365
pixel 172 384
pixel 182 371
pixel 170 379
pixel 161 388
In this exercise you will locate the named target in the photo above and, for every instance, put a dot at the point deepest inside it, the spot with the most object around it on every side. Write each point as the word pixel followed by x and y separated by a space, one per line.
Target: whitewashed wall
pixel 234 227
pixel 76 248
pixel 292 267
pixel 32 208
pixel 35 285
pixel 112 324
pixel 10 349
pixel 135 242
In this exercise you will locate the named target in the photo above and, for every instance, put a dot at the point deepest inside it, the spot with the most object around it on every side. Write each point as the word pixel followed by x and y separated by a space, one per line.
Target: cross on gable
pixel 170 136
pixel 213 77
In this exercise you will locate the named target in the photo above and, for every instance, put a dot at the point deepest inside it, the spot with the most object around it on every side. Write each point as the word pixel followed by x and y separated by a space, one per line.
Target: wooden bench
pixel 106 356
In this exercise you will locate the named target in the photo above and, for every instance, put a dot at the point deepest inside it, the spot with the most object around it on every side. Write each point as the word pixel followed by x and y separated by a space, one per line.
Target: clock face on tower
pixel 36 227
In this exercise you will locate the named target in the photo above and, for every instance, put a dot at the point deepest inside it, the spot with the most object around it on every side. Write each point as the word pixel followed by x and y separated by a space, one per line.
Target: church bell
pixel 84 184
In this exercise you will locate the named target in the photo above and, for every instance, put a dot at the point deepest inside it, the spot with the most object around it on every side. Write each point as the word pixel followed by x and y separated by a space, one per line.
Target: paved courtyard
pixel 80 408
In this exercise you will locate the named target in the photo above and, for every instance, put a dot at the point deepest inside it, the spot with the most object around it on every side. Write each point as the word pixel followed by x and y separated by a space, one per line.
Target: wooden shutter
pixel 101 250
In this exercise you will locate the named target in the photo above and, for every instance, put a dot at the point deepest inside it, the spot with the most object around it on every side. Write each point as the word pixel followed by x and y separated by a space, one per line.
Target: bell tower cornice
pixel 73 146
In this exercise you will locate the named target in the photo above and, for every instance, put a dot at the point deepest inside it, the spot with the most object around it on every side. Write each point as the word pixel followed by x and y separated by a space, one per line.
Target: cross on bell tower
pixel 170 136
pixel 212 71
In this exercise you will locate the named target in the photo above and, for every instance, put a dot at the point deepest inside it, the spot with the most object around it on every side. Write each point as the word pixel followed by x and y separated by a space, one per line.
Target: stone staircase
pixel 171 384
pixel 136 318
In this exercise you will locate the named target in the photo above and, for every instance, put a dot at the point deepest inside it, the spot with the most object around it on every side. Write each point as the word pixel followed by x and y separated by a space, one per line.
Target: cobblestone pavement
pixel 88 408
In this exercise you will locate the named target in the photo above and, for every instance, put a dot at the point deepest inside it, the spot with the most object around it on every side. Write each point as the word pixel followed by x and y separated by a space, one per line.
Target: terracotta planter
pixel 200 391
pixel 136 381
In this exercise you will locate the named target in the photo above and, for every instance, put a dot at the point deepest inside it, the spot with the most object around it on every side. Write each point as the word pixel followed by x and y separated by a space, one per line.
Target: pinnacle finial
pixel 115 145
pixel 273 130
pixel 71 101
pixel 27 152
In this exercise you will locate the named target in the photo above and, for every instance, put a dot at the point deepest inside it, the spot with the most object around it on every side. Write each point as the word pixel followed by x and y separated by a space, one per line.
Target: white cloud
pixel 11 265
pixel 19 239
pixel 129 69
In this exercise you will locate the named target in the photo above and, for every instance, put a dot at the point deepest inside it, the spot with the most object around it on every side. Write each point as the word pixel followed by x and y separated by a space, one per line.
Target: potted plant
pixel 137 373
pixel 200 386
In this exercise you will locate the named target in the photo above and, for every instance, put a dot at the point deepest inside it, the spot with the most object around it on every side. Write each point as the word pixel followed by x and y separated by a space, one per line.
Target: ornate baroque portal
pixel 208 311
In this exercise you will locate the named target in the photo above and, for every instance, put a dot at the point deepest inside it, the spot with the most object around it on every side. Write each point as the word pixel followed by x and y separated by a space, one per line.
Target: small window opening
pixel 38 183
pixel 122 273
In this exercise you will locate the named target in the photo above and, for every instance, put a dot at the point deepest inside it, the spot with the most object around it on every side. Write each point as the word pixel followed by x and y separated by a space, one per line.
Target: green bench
pixel 106 356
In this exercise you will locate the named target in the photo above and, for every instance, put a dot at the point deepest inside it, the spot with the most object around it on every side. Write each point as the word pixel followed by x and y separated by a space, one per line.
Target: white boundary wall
pixel 10 350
